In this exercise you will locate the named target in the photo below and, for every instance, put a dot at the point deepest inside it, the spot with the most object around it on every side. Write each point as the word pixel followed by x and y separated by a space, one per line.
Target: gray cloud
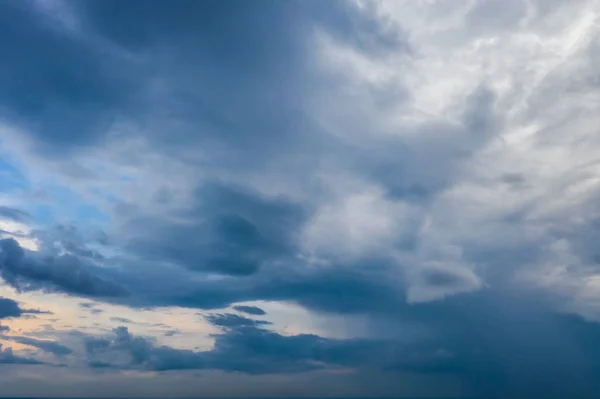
pixel 14 214
pixel 230 320
pixel 252 310
pixel 121 320
pixel 8 357
pixel 242 348
pixel 392 163
pixel 47 346
pixel 9 308
pixel 27 270
pixel 229 230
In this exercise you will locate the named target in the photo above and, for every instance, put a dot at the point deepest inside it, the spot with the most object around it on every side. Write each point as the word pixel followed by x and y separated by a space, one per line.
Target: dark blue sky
pixel 299 198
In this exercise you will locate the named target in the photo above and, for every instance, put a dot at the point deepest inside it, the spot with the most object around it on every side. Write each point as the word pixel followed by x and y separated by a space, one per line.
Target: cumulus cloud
pixel 28 270
pixel 9 308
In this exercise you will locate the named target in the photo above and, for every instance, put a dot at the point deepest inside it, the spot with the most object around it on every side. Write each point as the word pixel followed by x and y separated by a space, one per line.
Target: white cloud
pixel 538 162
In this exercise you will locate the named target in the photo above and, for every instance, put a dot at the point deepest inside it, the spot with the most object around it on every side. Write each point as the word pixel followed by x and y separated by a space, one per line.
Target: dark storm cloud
pixel 47 346
pixel 73 97
pixel 252 310
pixel 229 231
pixel 247 69
pixel 27 270
pixel 501 343
pixel 341 288
pixel 9 308
pixel 498 363
pixel 232 43
pixel 229 79
pixel 232 74
pixel 243 348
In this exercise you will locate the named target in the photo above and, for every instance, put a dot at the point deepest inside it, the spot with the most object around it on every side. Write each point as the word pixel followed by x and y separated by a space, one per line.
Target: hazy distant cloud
pixel 8 357
pixel 14 214
pixel 121 320
pixel 47 346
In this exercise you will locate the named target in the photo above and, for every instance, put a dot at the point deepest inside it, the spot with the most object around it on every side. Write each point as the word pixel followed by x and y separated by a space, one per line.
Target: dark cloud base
pixel 502 361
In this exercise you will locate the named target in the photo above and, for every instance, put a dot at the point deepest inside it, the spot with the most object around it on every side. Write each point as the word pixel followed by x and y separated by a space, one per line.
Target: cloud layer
pixel 357 190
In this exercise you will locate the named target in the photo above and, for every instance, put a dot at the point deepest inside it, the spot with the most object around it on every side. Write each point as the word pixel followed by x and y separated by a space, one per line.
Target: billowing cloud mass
pixel 9 308
pixel 294 198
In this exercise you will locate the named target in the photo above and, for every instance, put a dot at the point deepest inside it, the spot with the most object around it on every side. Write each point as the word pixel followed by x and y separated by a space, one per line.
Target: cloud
pixel 405 163
pixel 252 310
pixel 73 109
pixel 98 364
pixel 14 214
pixel 242 348
pixel 8 357
pixel 121 320
pixel 229 230
pixel 47 346
pixel 9 308
pixel 28 270
pixel 230 320
pixel 505 344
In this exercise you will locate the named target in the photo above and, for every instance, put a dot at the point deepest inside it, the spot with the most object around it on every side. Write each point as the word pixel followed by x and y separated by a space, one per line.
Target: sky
pixel 300 198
